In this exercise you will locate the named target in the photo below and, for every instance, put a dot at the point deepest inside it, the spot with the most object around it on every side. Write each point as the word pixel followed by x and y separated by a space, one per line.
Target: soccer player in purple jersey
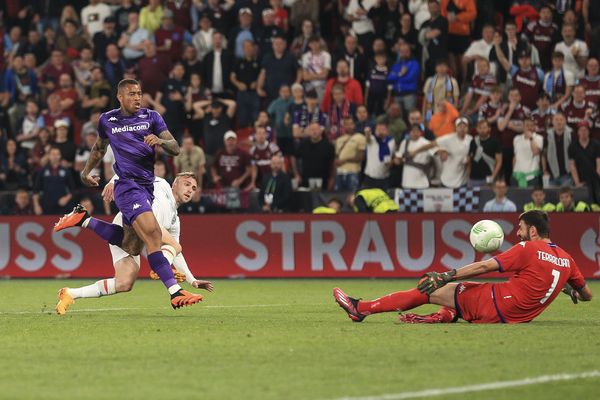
pixel 133 132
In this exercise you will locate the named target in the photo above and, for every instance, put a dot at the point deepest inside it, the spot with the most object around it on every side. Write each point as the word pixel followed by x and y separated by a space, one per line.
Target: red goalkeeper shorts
pixel 475 303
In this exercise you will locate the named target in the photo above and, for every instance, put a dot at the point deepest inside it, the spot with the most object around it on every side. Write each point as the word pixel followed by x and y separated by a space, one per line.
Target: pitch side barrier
pixel 292 245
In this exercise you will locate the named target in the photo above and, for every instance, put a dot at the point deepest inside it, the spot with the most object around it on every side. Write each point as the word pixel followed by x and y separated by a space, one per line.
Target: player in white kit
pixel 166 201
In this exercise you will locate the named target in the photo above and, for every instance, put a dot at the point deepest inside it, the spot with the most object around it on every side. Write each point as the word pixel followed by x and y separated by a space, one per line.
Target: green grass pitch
pixel 276 339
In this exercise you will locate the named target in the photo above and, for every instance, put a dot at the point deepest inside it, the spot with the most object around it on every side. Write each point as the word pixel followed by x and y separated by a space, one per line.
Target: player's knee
pixel 124 285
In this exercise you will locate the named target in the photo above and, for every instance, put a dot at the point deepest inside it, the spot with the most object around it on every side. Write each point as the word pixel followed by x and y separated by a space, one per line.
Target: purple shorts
pixel 133 198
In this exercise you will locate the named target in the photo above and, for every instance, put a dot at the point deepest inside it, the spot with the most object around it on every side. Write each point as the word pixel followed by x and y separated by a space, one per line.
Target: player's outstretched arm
pixel 432 281
pixel 96 155
pixel 164 140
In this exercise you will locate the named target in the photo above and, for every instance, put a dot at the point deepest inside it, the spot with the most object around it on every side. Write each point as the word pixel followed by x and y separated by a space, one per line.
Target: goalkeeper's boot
pixel 444 315
pixel 64 301
pixel 179 276
pixel 184 298
pixel 349 305
pixel 74 218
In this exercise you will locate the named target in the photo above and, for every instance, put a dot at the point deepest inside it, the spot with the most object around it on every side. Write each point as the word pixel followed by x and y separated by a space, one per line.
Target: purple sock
pixel 160 265
pixel 112 233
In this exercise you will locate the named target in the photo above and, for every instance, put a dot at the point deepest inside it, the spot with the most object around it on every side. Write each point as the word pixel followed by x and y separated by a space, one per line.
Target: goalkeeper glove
pixel 572 293
pixel 432 281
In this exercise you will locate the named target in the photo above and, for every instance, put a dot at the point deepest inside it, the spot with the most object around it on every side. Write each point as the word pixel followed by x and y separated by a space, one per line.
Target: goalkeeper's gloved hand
pixel 432 281
pixel 572 293
pixel 179 277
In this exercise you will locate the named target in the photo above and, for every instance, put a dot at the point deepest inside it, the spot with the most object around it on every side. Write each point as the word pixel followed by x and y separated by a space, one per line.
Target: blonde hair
pixel 187 174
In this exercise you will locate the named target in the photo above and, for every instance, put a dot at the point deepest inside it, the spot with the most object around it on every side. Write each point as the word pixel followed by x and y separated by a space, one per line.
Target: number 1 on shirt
pixel 556 275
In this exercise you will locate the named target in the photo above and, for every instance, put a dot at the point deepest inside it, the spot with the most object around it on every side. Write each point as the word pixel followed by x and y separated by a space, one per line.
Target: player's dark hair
pixel 126 82
pixel 537 189
pixel 539 220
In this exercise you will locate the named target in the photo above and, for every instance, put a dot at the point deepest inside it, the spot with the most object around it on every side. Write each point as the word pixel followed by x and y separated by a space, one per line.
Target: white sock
pixel 105 287
pixel 173 289
pixel 169 253
pixel 86 222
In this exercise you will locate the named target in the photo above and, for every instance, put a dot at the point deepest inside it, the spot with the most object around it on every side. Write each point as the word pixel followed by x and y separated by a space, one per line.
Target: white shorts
pixel 117 252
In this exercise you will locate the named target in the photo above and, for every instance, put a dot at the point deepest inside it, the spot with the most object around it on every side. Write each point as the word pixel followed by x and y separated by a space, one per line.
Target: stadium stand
pixel 403 74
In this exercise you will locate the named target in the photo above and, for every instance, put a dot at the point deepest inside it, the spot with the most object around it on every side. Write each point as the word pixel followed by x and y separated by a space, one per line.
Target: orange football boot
pixel 184 298
pixel 64 301
pixel 74 218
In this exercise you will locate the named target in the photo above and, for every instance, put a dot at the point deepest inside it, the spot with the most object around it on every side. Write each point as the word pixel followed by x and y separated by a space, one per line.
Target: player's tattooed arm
pixel 96 155
pixel 164 140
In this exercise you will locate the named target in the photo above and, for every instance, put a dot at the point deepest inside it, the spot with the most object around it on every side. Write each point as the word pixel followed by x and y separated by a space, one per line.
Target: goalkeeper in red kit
pixel 540 270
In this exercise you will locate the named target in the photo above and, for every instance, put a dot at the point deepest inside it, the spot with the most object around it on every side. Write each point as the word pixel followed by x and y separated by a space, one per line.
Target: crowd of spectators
pixel 274 96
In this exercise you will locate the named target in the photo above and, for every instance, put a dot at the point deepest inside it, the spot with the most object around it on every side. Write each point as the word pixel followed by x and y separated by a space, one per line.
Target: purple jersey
pixel 134 159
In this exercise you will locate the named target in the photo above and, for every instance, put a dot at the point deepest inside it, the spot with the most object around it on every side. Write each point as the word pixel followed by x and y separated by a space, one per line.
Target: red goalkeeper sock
pixel 399 301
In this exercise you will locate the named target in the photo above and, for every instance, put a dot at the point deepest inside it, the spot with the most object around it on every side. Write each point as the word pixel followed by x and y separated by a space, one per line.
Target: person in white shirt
pixel 133 39
pixel 316 65
pixel 576 51
pixel 500 203
pixel 420 11
pixel 415 174
pixel 380 148
pixel 357 13
pixel 526 161
pixel 479 49
pixel 453 150
pixel 202 39
pixel 92 17
pixel 166 201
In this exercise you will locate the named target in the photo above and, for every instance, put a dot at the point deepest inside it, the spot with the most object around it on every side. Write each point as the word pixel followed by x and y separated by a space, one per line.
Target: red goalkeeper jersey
pixel 541 270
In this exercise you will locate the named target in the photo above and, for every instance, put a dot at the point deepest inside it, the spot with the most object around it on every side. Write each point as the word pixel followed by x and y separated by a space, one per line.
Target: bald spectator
pixel 154 69
pixel 169 37
pixel 191 159
pixel 69 98
pixel 576 51
pixel 53 70
pixel 313 166
pixel 133 38
pixel 276 188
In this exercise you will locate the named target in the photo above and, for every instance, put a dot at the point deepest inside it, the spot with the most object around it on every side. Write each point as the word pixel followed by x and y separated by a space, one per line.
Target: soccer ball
pixel 486 236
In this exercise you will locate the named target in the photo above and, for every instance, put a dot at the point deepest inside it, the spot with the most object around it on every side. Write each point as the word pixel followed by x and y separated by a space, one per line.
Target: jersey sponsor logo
pixel 136 206
pixel 525 81
pixel 560 262
pixel 131 128
pixel 542 38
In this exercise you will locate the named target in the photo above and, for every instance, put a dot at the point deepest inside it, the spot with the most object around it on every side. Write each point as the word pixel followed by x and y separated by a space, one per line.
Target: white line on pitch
pixel 480 387
pixel 155 308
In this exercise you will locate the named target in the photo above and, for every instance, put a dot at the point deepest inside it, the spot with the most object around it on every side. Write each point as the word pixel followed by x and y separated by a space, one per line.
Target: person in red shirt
pixel 591 81
pixel 352 89
pixel 169 37
pixel 53 70
pixel 69 97
pixel 232 167
pixel 540 271
pixel 153 69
